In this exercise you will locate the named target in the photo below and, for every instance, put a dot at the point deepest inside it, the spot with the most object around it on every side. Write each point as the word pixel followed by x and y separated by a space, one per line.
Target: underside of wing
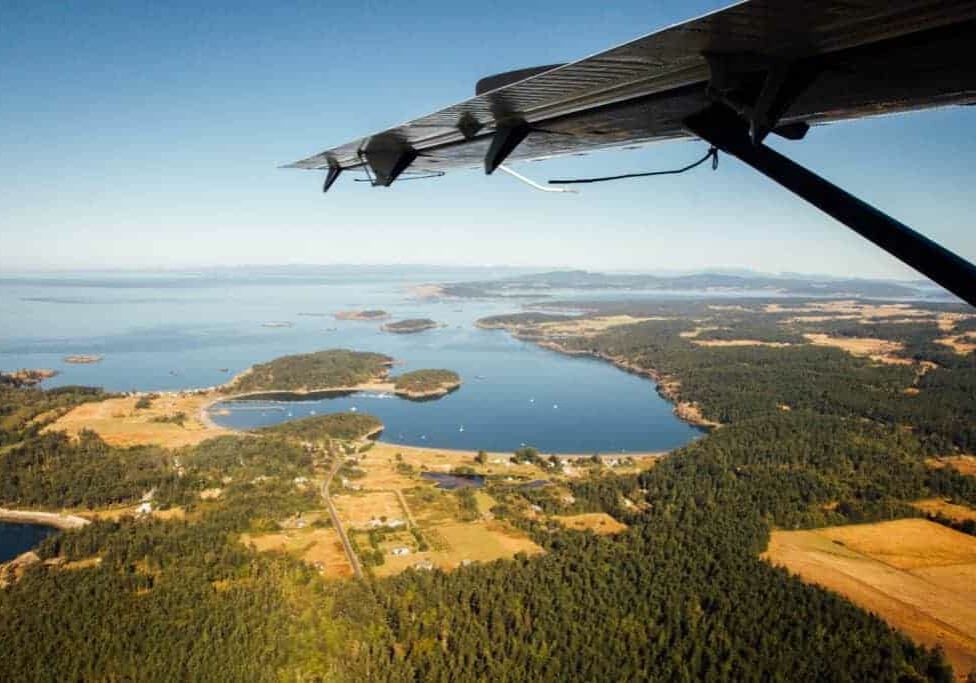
pixel 780 66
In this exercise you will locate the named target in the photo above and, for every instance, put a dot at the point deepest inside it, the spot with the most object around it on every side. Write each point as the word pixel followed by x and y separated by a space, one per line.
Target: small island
pixel 426 383
pixel 369 314
pixel 410 326
pixel 82 359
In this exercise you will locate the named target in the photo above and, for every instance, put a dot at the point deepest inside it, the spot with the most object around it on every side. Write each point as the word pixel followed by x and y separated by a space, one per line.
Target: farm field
pixel 318 547
pixel 391 489
pixel 918 576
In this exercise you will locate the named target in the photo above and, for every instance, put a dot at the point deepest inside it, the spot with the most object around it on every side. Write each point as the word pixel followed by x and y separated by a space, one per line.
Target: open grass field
pixel 120 423
pixel 738 342
pixel 585 327
pixel 918 576
pixel 318 547
pixel 597 522
pixel 458 543
pixel 848 309
pixel 381 463
pixel 357 509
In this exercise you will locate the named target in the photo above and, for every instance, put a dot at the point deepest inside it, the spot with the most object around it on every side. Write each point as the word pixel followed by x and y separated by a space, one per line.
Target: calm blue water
pixel 164 331
pixel 19 538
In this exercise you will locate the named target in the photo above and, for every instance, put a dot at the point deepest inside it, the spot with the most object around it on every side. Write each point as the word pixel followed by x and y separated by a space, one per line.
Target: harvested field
pixel 320 548
pixel 940 506
pixel 917 575
pixel 585 327
pixel 356 510
pixel 119 423
pixel 738 342
pixel 597 522
pixel 477 542
pixel 878 350
pixel 485 541
pixel 847 309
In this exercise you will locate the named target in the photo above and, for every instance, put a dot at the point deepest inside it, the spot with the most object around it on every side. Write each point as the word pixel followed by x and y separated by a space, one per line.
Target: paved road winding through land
pixel 350 553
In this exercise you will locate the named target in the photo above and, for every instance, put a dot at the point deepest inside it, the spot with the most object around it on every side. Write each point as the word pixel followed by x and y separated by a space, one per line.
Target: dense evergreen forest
pixel 348 426
pixel 419 381
pixel 410 325
pixel 681 595
pixel 308 371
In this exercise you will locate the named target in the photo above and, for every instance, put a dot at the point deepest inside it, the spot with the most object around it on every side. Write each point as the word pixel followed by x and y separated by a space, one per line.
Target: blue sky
pixel 149 134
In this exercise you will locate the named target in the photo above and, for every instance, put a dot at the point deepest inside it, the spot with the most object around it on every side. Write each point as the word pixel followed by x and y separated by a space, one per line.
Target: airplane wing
pixel 780 65
pixel 730 78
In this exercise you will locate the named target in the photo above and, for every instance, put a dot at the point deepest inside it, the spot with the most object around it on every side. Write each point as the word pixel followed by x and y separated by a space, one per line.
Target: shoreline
pixel 52 519
pixel 313 394
pixel 508 454
pixel 667 386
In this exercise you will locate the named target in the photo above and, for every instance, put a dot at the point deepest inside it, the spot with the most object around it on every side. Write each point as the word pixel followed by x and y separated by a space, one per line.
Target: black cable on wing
pixel 432 174
pixel 711 154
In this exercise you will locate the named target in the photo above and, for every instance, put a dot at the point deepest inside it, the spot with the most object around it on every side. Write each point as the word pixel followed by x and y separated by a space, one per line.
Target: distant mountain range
pixel 719 282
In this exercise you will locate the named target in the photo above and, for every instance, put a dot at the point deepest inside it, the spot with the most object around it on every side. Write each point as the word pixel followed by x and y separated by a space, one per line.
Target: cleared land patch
pixel 961 344
pixel 320 548
pixel 852 308
pixel 965 464
pixel 738 342
pixel 879 350
pixel 597 522
pixel 358 510
pixel 585 327
pixel 917 575
pixel 171 420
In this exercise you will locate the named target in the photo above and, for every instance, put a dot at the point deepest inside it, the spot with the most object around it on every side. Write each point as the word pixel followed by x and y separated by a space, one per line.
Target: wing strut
pixel 720 126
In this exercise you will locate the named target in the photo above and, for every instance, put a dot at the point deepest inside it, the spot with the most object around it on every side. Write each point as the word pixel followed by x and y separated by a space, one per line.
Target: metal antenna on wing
pixel 531 183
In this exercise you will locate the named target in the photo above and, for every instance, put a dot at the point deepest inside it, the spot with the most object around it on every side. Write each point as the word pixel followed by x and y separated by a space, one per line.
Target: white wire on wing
pixel 532 183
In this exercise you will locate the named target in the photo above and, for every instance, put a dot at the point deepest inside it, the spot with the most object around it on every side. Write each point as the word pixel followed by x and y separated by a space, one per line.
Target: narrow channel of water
pixel 17 538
